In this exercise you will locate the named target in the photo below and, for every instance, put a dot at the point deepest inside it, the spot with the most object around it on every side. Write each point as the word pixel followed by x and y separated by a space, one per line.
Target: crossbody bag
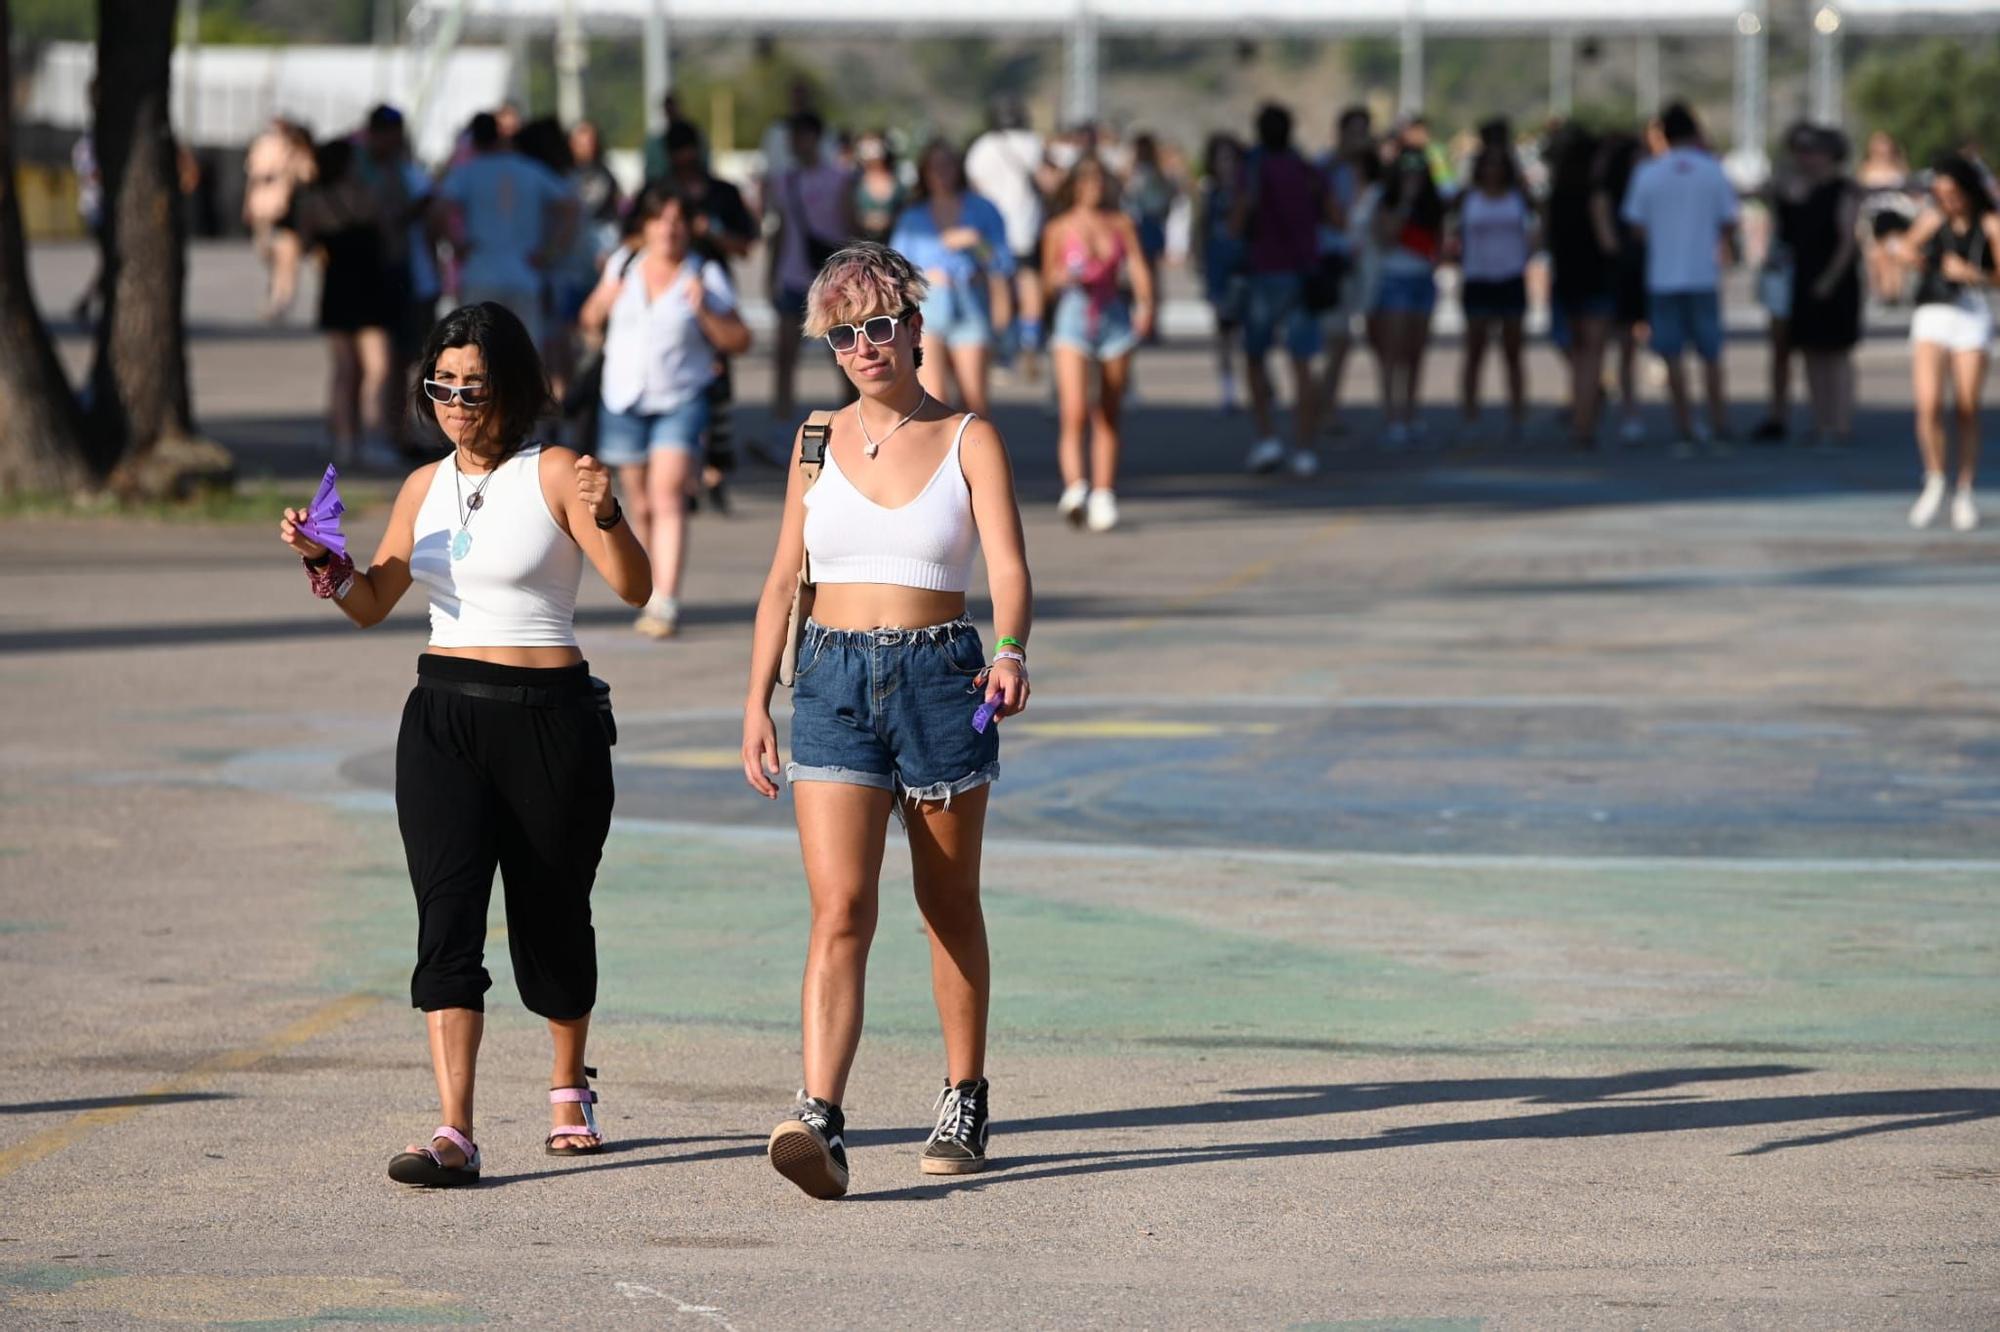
pixel 812 456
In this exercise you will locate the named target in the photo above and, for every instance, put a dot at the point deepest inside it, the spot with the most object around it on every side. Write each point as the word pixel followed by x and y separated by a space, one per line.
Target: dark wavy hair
pixel 1959 169
pixel 519 388
pixel 1066 192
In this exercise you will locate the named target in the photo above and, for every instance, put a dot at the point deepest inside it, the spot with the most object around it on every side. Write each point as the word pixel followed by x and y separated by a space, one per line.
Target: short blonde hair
pixel 861 280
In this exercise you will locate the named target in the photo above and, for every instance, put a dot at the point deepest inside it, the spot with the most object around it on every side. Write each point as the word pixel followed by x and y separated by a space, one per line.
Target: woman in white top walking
pixel 668 314
pixel 1496 230
pixel 895 704
pixel 504 756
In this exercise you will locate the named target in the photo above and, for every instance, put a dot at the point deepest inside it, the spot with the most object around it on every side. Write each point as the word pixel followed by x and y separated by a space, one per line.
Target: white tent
pixel 1079 23
pixel 224 95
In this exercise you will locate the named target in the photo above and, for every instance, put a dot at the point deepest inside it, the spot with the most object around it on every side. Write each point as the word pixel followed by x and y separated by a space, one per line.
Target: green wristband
pixel 1012 642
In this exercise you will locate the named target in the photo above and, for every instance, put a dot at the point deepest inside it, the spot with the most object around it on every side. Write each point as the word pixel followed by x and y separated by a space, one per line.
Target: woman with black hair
pixel 503 759
pixel 1582 253
pixel 360 301
pixel 1952 246
pixel 1617 161
pixel 1495 237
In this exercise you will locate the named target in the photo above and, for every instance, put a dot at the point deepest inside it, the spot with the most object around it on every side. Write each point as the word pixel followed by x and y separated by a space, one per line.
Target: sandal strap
pixel 558 1095
pixel 573 1131
pixel 456 1139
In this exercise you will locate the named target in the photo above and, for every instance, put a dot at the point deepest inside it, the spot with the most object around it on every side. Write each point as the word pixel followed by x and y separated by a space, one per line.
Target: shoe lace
pixel 957 1116
pixel 814 1116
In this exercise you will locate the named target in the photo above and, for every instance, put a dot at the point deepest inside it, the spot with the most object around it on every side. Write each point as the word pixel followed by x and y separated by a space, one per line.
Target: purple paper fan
pixel 983 715
pixel 322 520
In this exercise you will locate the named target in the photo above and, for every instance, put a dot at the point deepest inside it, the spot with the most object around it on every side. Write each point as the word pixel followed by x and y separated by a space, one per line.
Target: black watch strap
pixel 617 517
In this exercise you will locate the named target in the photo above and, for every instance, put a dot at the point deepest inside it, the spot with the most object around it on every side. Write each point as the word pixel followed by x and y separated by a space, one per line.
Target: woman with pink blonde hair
pixel 895 704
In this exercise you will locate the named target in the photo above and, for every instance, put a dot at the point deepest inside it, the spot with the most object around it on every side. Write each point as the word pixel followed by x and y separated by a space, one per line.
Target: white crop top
pixel 927 543
pixel 514 579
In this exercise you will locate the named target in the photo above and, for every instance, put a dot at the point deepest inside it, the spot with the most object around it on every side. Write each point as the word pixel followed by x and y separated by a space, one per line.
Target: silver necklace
pixel 461 542
pixel 874 445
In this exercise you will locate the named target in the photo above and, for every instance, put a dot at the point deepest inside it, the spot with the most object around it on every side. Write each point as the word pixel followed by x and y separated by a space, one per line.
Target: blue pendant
pixel 461 543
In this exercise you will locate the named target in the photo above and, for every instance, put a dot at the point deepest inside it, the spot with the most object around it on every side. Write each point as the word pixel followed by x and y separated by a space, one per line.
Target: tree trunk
pixel 41 427
pixel 142 432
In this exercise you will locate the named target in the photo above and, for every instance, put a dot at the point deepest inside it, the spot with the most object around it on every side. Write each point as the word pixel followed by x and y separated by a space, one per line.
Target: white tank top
pixel 1496 236
pixel 504 574
pixel 927 543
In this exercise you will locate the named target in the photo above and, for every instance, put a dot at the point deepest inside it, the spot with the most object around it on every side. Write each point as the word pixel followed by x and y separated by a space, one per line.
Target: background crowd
pixel 1045 256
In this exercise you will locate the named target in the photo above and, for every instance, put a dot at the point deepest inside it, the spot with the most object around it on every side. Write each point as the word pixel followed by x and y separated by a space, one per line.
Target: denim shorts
pixel 1406 293
pixel 1678 317
pixel 1105 337
pixel 960 312
pixel 627 439
pixel 892 709
pixel 1275 305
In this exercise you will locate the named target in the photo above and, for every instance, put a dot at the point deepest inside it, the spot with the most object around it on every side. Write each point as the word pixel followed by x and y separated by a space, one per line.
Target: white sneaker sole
pixel 932 1165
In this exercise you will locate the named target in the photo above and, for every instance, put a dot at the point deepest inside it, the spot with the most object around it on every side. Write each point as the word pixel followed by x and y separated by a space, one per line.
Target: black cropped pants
pixel 516 777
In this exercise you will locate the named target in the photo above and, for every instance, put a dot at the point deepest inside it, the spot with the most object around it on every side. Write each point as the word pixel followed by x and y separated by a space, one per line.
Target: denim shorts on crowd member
pixel 627 439
pixel 1681 317
pixel 1103 333
pixel 1274 308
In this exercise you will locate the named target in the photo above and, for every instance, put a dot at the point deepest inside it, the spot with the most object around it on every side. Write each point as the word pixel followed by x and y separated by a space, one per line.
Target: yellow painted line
pixel 316 1023
pixel 705 760
pixel 1134 729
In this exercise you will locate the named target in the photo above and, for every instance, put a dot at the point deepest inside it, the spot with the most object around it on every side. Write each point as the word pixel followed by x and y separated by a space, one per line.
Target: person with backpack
pixel 666 314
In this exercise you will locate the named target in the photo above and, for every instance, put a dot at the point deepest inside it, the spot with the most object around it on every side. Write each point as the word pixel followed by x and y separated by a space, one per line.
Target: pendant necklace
pixel 461 542
pixel 873 445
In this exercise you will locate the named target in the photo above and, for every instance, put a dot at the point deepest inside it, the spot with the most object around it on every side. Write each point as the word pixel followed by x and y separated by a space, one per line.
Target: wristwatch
pixel 617 517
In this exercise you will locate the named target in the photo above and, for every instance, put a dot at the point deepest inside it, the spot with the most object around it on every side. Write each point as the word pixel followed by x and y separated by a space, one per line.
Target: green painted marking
pixel 433 1316
pixel 49 1276
pixel 26 926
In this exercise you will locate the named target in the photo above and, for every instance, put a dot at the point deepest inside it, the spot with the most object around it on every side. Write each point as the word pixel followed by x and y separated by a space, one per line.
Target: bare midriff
pixel 883 606
pixel 534 658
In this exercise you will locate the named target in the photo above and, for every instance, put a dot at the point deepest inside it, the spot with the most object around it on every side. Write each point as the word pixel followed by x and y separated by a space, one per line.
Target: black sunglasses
pixel 880 330
pixel 471 395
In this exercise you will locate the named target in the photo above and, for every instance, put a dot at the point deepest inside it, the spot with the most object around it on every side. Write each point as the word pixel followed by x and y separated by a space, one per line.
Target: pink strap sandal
pixel 584 1098
pixel 423 1168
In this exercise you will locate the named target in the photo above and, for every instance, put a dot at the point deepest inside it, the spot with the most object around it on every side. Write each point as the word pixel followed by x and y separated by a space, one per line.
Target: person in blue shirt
pixel 958 240
pixel 509 219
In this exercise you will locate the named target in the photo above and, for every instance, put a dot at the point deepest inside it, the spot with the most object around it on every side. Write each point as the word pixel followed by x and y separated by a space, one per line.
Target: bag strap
pixel 812 456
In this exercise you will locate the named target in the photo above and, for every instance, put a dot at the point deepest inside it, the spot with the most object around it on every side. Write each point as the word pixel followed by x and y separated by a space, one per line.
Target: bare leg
pixel 374 353
pixel 1105 440
pixel 1586 376
pixel 944 854
pixel 566 1070
pixel 1968 379
pixel 1072 371
pixel 1677 390
pixel 1029 283
pixel 1417 341
pixel 1843 395
pixel 1628 369
pixel 670 478
pixel 286 251
pixel 1305 404
pixel 1337 349
pixel 1517 375
pixel 1781 370
pixel 1475 361
pixel 841 832
pixel 343 408
pixel 1376 326
pixel 1928 363
pixel 785 352
pixel 1718 396
pixel 970 365
pixel 1258 375
pixel 638 506
pixel 454 1036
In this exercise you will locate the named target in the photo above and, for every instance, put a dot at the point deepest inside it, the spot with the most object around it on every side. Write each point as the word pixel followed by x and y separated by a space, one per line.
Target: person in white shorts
pixel 1952 247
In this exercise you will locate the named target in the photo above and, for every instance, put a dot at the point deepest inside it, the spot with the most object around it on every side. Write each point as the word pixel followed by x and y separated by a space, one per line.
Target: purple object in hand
pixel 322 519
pixel 984 714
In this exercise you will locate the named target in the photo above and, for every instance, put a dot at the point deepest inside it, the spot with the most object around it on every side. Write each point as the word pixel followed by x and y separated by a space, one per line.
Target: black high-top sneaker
pixel 958 1144
pixel 810 1149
